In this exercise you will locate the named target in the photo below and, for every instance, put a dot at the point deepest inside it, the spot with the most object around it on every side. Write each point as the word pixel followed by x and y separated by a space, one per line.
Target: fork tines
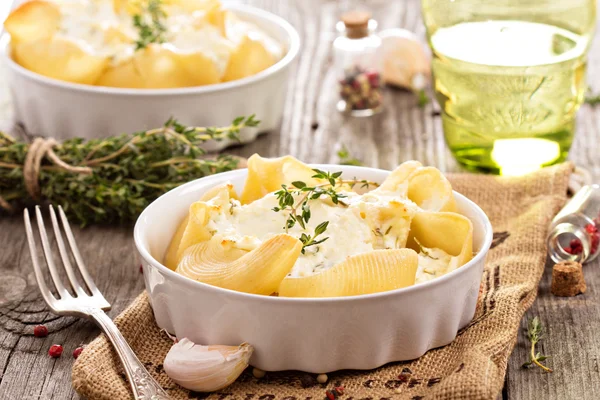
pixel 66 302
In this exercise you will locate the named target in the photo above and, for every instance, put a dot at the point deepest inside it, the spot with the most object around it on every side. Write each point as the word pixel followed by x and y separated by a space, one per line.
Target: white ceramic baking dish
pixel 59 109
pixel 312 335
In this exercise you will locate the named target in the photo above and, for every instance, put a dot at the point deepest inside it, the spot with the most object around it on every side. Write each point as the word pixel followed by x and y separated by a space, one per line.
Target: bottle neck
pixel 561 235
pixel 357 32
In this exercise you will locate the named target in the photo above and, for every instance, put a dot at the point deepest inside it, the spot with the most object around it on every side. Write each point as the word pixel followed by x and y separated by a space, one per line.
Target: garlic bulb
pixel 406 64
pixel 206 368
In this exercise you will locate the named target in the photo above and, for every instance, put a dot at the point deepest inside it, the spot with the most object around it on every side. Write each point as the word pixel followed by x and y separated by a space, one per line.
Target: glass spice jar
pixel 574 232
pixel 358 66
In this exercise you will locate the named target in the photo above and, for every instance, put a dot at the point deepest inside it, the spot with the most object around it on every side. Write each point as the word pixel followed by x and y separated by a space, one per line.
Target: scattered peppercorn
pixel 55 350
pixel 322 378
pixel 77 352
pixel 40 331
pixel 314 126
pixel 141 269
pixel 330 395
pixel 339 389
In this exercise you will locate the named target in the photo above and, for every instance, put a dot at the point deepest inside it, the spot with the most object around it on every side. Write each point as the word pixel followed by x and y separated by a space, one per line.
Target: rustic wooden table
pixel 313 131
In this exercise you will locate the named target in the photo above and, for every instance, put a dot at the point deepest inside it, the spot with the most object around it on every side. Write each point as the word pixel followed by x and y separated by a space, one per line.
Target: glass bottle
pixel 509 76
pixel 358 66
pixel 574 232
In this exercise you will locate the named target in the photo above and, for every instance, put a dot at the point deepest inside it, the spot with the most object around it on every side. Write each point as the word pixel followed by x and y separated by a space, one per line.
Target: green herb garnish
pixel 149 23
pixel 295 201
pixel 423 249
pixel 535 334
pixel 308 240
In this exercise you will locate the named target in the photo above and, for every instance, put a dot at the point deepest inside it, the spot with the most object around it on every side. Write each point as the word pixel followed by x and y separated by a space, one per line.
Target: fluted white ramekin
pixel 59 109
pixel 312 335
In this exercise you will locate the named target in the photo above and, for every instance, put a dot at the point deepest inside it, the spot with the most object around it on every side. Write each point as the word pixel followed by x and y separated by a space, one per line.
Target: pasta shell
pixel 426 186
pixel 170 259
pixel 249 58
pixel 450 232
pixel 32 21
pixel 267 175
pixel 157 66
pixel 193 228
pixel 430 190
pixel 259 271
pixel 59 58
pixel 372 272
pixel 397 180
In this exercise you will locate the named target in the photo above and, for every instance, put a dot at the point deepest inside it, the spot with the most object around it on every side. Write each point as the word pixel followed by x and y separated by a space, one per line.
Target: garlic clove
pixel 406 64
pixel 206 368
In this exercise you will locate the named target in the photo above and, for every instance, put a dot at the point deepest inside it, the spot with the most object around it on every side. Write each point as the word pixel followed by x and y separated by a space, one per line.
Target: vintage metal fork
pixel 83 304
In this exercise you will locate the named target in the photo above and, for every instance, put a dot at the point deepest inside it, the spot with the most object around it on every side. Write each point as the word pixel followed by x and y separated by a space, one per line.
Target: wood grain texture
pixel 313 131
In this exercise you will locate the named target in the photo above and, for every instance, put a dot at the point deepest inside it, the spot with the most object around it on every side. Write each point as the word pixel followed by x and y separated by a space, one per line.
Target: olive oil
pixel 509 91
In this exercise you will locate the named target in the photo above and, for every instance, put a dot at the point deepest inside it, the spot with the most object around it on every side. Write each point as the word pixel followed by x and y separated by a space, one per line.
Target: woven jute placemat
pixel 471 367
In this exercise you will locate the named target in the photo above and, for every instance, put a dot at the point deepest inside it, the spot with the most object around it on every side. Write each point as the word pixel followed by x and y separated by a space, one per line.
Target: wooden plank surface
pixel 313 131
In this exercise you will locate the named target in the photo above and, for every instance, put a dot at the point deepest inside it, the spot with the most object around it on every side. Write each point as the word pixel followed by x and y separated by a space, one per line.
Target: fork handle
pixel 144 386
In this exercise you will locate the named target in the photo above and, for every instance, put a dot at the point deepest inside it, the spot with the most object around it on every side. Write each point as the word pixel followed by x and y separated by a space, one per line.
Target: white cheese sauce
pixel 432 264
pixel 360 225
pixel 99 30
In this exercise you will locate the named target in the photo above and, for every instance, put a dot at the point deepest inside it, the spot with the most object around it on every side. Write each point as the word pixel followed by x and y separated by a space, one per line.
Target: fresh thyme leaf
pixel 150 26
pixel 299 184
pixel 346 159
pixel 535 333
pixel 128 172
pixel 322 227
pixel 388 229
pixel 423 99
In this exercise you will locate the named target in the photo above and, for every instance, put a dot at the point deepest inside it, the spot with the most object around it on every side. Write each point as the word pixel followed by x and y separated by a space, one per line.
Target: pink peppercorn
pixel 77 352
pixel 40 331
pixel 55 350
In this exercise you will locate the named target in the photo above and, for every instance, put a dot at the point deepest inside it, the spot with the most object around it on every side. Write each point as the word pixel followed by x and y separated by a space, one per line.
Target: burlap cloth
pixel 472 367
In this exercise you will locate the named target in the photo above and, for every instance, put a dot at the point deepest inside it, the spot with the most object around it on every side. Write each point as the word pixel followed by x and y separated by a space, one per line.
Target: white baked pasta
pixel 138 43
pixel 299 232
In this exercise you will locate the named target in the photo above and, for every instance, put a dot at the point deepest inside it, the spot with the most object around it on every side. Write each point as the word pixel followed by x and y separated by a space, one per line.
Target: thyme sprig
pixel 308 240
pixel 295 200
pixel 535 334
pixel 149 23
pixel 128 171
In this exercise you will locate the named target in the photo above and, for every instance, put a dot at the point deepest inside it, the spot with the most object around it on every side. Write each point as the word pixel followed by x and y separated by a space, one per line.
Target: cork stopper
pixel 357 24
pixel 567 279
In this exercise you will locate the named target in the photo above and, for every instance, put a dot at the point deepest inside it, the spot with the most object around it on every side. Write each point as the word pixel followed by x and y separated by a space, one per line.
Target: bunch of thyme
pixel 149 23
pixel 127 172
pixel 295 201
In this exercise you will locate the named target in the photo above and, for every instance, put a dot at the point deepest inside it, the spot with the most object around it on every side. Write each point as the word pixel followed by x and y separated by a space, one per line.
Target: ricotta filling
pixel 355 227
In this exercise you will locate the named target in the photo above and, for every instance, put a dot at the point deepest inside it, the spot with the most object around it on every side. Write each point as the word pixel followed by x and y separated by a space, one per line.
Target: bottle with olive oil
pixel 509 76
